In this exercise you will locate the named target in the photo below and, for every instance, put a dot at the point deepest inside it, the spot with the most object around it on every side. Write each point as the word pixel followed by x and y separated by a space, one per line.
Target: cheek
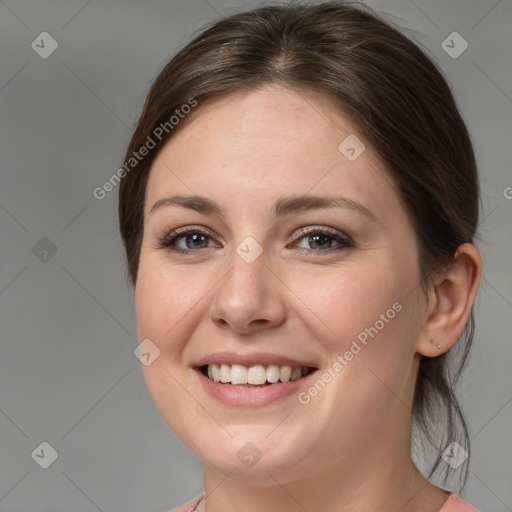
pixel 346 302
pixel 164 297
pixel 371 316
pixel 364 316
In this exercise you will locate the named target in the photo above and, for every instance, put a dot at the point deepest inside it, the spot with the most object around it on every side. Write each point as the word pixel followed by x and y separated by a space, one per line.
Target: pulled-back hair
pixel 397 98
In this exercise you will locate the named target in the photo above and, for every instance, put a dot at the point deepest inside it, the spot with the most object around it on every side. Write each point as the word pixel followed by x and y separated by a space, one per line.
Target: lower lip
pixel 251 397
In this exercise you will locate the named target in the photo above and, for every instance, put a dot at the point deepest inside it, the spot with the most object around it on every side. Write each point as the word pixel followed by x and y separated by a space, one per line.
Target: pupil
pixel 322 237
pixel 195 238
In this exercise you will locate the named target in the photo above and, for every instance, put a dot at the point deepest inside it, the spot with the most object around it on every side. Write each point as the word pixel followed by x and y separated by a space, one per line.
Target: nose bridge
pixel 247 292
pixel 248 265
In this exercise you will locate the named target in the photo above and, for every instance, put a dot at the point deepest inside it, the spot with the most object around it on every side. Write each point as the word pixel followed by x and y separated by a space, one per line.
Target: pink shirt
pixel 453 504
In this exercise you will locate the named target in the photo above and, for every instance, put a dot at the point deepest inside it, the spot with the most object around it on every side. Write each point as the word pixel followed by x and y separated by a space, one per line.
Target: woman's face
pixel 264 286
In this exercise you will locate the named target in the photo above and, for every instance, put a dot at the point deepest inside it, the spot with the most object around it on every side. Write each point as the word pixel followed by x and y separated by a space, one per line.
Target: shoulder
pixel 456 504
pixel 190 505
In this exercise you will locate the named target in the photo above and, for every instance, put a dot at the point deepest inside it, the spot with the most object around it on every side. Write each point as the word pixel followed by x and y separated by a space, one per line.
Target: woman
pixel 298 213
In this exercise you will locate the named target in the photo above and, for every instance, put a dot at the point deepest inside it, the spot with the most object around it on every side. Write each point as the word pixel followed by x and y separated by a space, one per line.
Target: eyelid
pixel 304 231
pixel 344 241
pixel 182 231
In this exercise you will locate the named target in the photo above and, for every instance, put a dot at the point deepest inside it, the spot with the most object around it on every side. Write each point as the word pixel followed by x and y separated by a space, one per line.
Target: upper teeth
pixel 258 374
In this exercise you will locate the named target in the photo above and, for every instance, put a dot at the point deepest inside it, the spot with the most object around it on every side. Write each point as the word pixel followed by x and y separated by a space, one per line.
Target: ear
pixel 450 302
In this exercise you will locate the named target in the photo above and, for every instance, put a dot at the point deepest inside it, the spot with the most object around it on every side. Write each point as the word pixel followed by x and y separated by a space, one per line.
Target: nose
pixel 250 297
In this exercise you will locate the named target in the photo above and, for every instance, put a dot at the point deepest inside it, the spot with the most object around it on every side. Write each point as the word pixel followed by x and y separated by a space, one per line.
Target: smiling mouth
pixel 254 376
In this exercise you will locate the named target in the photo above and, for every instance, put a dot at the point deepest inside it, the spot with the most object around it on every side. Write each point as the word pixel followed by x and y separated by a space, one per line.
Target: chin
pixel 252 452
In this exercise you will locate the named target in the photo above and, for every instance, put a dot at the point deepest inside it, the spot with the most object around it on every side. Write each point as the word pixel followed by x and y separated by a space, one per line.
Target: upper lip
pixel 263 358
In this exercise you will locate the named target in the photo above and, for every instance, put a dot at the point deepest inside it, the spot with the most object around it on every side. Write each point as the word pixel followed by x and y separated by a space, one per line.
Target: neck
pixel 378 476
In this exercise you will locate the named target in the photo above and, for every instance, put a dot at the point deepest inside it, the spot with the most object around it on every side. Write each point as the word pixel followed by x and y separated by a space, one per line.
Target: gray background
pixel 68 375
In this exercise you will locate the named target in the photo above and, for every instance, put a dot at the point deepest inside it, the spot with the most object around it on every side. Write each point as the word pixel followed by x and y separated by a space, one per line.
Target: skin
pixel 348 449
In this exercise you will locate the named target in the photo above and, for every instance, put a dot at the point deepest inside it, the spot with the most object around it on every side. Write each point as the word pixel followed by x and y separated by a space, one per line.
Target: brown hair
pixel 396 96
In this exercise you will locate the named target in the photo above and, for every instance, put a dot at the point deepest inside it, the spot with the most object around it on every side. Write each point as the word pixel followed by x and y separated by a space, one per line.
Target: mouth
pixel 255 376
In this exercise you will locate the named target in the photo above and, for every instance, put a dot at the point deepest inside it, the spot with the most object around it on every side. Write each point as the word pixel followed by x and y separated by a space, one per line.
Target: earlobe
pixel 451 301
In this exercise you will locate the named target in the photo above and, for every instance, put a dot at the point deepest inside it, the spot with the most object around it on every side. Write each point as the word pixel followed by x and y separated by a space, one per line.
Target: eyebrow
pixel 282 206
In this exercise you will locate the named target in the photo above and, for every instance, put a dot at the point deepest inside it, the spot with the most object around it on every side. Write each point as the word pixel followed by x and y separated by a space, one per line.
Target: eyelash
pixel 169 240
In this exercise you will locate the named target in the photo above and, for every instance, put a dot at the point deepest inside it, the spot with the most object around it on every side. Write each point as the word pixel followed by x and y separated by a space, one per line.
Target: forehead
pixel 247 148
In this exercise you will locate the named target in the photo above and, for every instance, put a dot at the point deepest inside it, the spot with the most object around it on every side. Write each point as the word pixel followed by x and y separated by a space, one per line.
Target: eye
pixel 322 240
pixel 319 240
pixel 190 238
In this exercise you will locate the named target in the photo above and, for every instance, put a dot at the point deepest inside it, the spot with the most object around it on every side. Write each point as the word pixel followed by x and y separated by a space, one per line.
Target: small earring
pixel 439 346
